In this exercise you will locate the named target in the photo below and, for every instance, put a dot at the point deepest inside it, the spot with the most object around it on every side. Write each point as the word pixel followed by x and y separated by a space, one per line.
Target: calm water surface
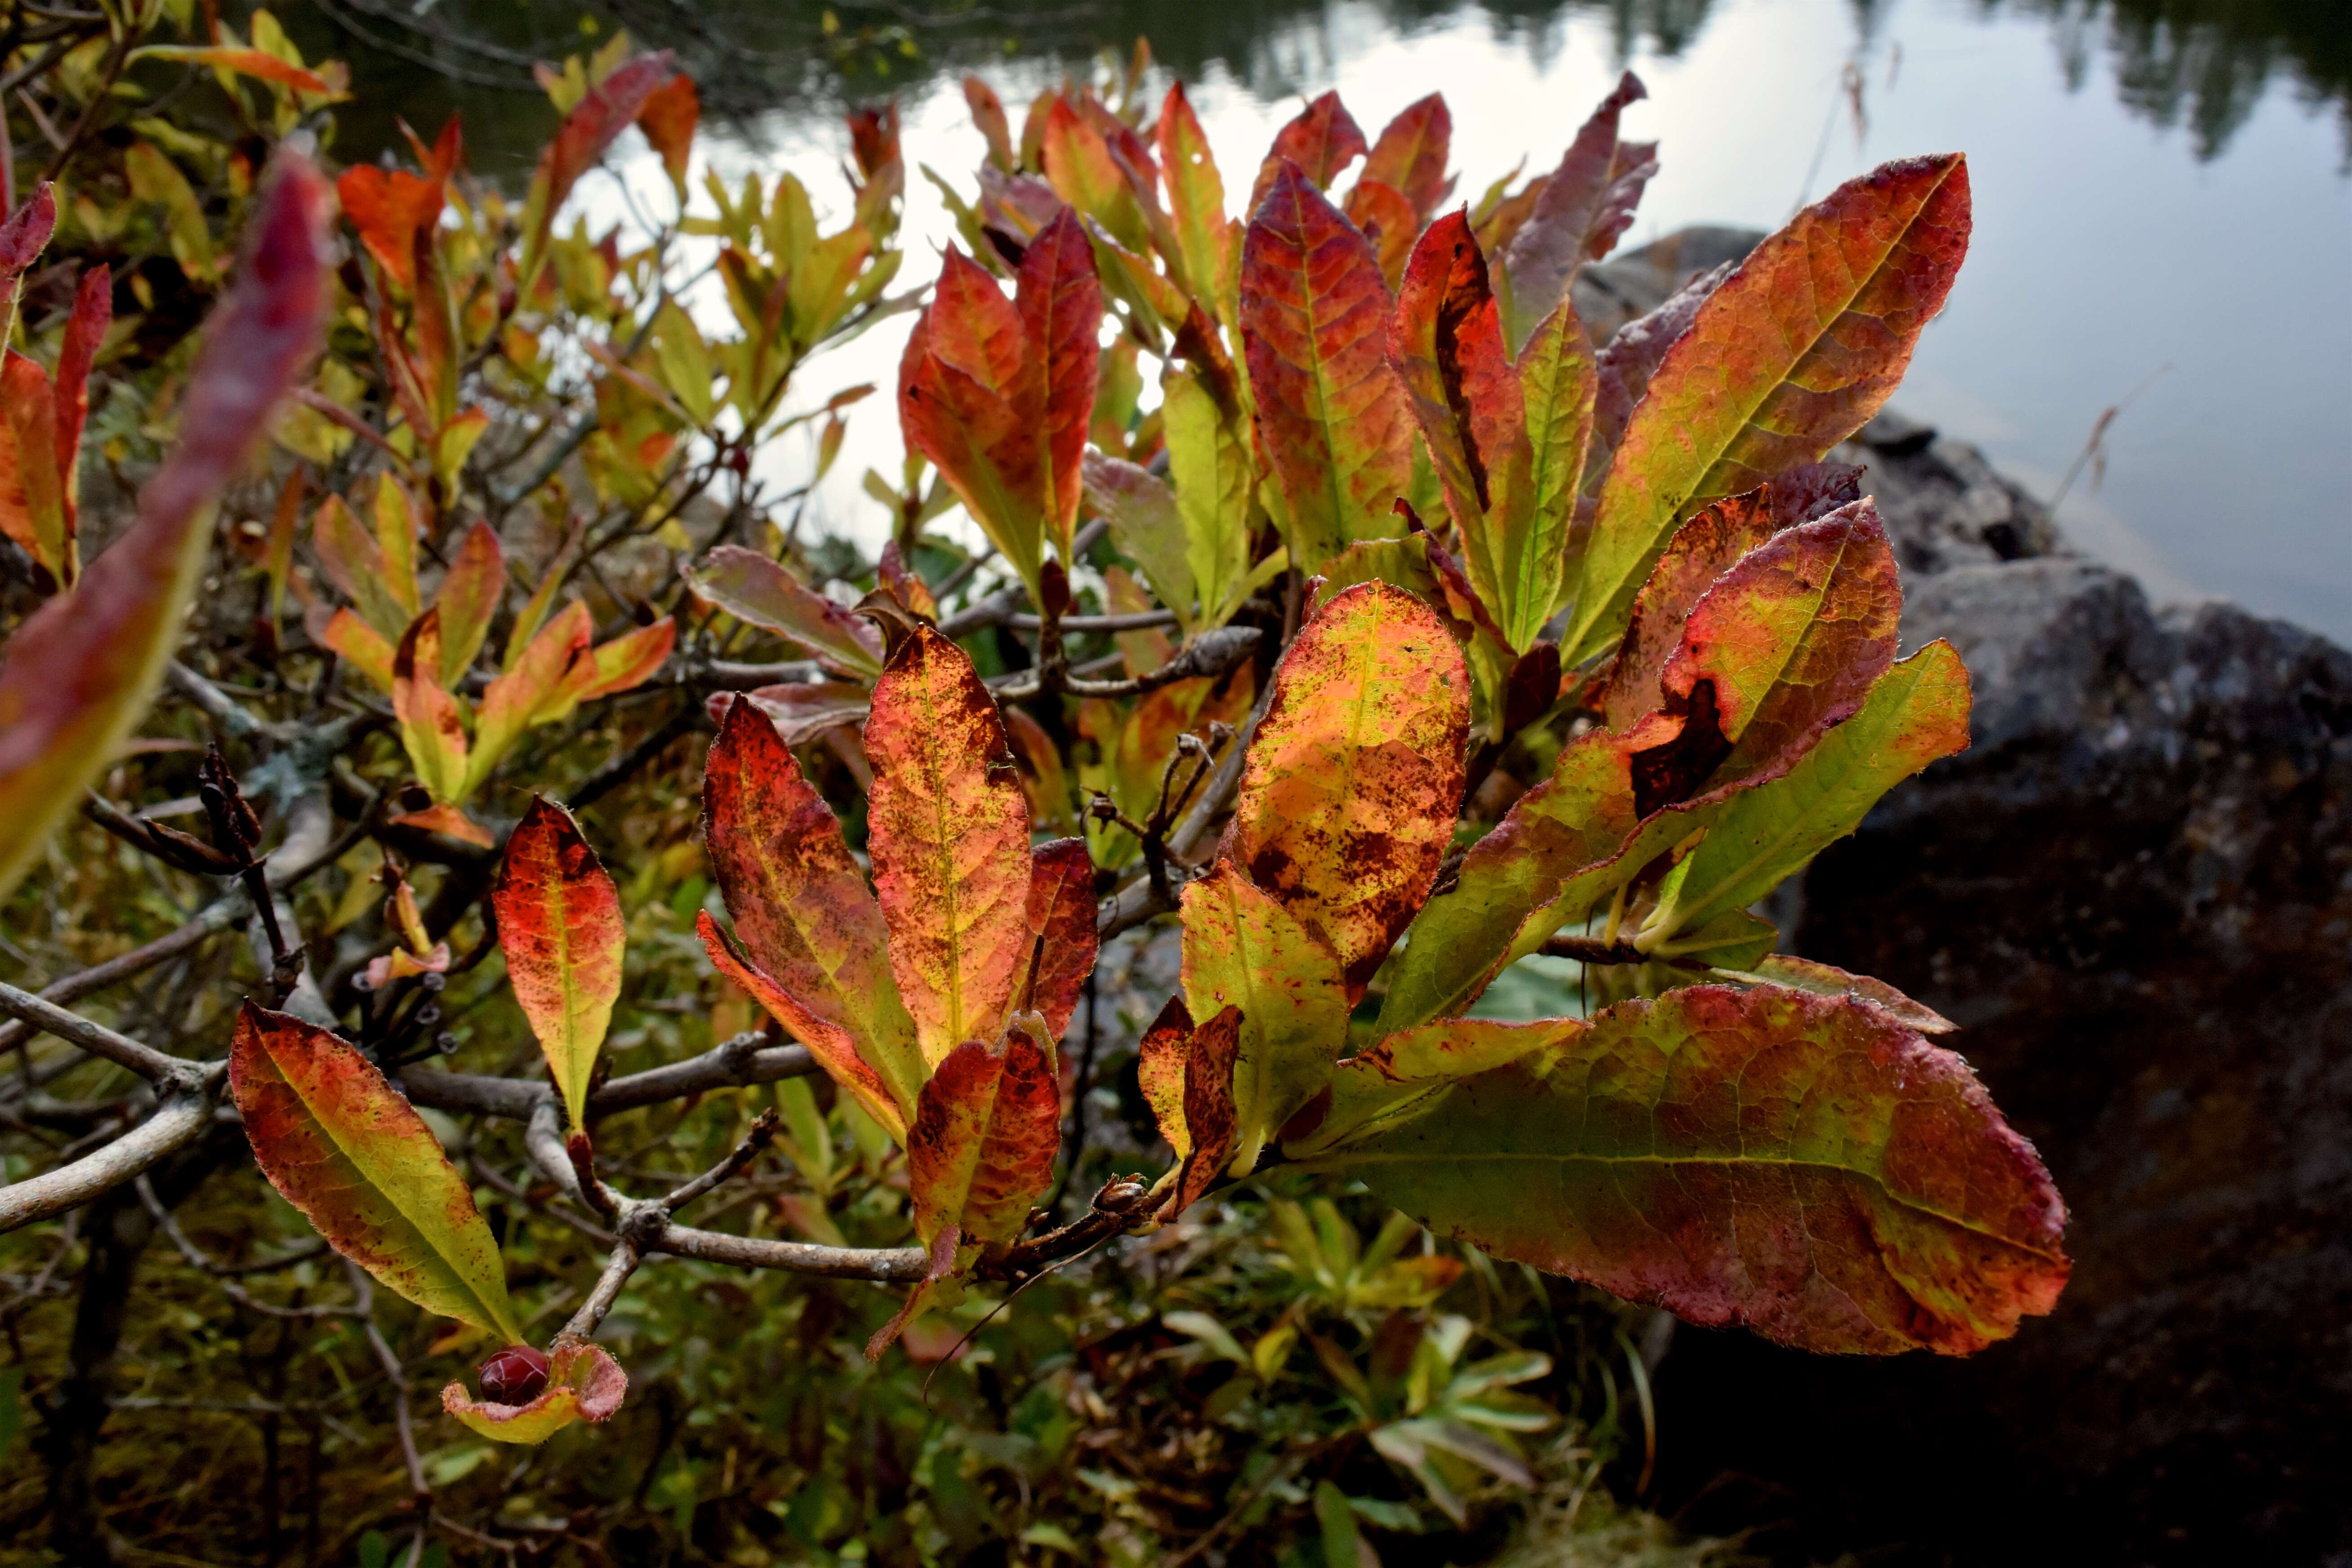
pixel 2164 213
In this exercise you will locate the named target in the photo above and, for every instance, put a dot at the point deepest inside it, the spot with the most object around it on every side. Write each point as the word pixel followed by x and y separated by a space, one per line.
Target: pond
pixel 2163 193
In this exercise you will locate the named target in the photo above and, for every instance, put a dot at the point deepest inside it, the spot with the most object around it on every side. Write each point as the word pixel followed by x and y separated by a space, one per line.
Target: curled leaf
pixel 754 588
pixel 584 1384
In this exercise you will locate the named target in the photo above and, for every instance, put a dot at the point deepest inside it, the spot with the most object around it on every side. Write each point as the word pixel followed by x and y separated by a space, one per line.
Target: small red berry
pixel 515 1375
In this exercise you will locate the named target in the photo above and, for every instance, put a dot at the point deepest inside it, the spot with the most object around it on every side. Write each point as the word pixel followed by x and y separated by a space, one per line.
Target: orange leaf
pixel 1347 798
pixel 390 207
pixel 948 830
pixel 368 649
pixel 623 664
pixel 1061 308
pixel 31 493
pixel 562 933
pixel 1159 1059
pixel 468 597
pixel 799 904
pixel 668 118
pixel 258 63
pixel 432 725
pixel 533 691
pixel 984 1142
pixel 1196 202
pixel 80 670
pixel 1389 222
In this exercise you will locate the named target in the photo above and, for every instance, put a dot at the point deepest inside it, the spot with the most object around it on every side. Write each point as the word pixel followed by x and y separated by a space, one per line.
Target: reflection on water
pixel 2204 63
pixel 2159 183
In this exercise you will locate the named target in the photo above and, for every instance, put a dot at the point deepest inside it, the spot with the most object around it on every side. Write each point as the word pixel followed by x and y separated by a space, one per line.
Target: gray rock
pixel 2135 894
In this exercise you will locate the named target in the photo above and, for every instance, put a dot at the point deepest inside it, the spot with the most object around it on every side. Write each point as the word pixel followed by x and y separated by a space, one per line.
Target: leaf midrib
pixel 1959 1222
pixel 498 1314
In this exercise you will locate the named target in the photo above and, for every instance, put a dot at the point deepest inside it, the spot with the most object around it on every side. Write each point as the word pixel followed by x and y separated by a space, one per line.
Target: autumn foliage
pixel 1490 642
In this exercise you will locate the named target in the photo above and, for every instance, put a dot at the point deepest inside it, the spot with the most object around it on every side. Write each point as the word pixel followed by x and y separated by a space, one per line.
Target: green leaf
pixel 1213 473
pixel 1243 949
pixel 1803 1165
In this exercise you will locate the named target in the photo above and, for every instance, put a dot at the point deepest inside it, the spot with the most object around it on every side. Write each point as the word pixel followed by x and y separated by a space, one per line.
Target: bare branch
pixel 891 1266
pixel 181 1117
pixel 197 1259
pixel 98 1040
pixel 738 1063
pixel 210 922
pixel 622 1264
pixel 762 1133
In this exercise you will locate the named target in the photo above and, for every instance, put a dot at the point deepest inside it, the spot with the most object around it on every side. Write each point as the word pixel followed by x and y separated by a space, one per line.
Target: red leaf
pixel 983 1146
pixel 1332 422
pixel 1703 550
pixel 1446 345
pixel 611 106
pixel 1586 204
pixel 93 312
pixel 972 399
pixel 1210 1121
pixel 1061 912
pixel 1409 156
pixel 562 933
pixel 1061 307
pixel 1803 1165
pixel 1788 641
pixel 81 669
pixel 833 1045
pixel 801 908
pixel 1322 140
pixel 25 234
